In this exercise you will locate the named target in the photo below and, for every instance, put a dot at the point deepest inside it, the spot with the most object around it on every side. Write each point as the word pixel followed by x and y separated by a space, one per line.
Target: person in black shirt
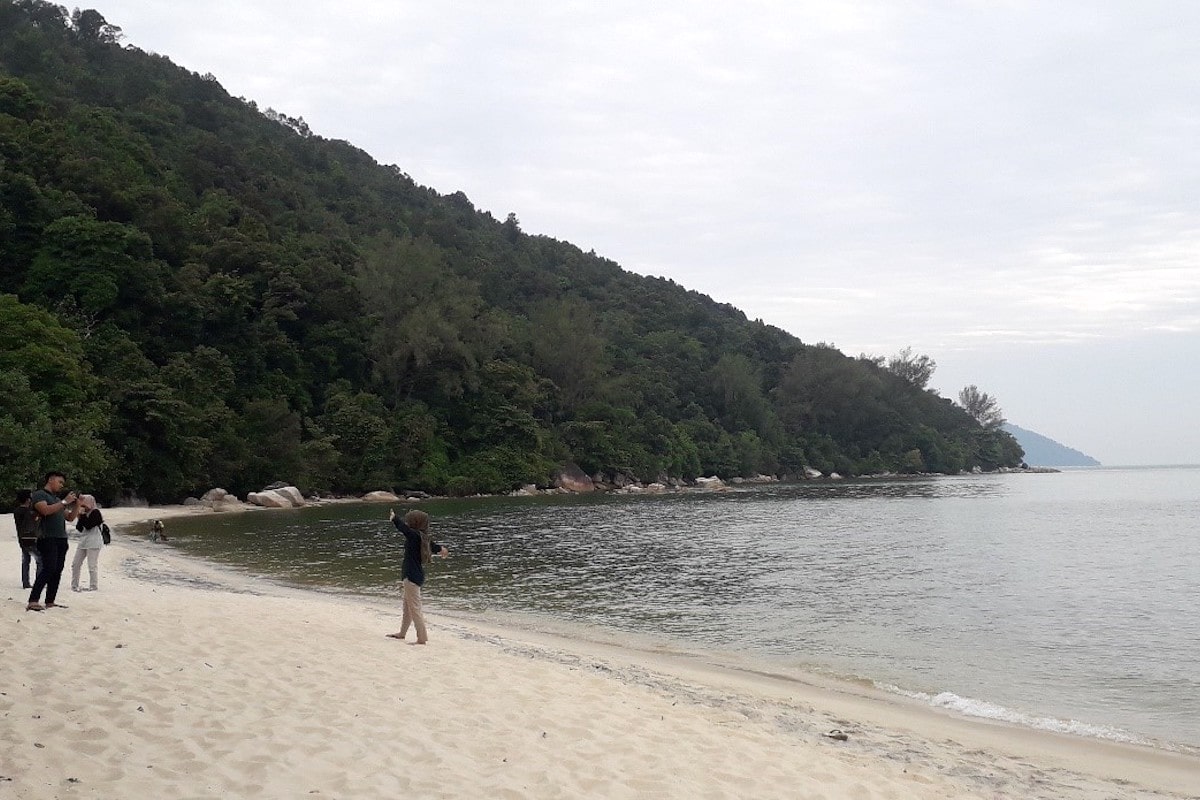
pixel 419 548
pixel 26 520
pixel 52 539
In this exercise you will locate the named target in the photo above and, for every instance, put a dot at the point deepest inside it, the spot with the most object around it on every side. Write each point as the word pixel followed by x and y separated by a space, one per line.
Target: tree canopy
pixel 982 407
pixel 195 293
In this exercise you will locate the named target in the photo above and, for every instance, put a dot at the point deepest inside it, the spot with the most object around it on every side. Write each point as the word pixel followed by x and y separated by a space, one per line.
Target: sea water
pixel 1068 601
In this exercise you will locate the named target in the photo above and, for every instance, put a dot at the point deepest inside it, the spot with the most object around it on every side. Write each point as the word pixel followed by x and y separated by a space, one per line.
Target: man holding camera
pixel 52 543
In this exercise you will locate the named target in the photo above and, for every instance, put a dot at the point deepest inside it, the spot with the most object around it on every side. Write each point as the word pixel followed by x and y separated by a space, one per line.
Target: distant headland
pixel 1042 451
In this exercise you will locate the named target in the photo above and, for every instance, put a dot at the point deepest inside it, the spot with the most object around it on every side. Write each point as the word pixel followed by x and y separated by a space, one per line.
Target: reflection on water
pixel 1072 595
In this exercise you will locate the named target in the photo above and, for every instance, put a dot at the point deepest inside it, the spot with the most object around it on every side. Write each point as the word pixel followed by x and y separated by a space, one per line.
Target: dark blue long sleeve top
pixel 413 569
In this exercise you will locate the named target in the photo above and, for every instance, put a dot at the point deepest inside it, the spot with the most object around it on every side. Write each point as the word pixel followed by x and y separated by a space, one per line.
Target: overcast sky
pixel 1012 188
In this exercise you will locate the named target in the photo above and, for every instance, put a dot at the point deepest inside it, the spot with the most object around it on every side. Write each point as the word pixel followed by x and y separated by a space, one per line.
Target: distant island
pixel 1042 451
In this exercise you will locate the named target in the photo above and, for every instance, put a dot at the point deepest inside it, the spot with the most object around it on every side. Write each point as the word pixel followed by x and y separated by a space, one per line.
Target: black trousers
pixel 54 558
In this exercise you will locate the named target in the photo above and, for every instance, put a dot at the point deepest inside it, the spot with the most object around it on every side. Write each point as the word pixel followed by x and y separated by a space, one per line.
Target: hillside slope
pixel 1042 451
pixel 210 294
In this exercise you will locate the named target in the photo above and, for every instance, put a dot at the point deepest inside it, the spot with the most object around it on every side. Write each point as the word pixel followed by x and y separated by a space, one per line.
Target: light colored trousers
pixel 93 559
pixel 412 611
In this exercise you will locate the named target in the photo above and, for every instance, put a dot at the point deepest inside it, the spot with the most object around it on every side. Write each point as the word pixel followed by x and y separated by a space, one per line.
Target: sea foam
pixel 971 707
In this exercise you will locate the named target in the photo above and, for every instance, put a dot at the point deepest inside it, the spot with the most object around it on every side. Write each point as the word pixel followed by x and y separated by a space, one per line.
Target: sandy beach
pixel 184 679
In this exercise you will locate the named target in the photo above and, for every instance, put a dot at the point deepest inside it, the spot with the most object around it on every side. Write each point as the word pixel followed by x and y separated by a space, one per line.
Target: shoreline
pixel 735 663
pixel 980 707
pixel 674 486
pixel 729 660
pixel 729 715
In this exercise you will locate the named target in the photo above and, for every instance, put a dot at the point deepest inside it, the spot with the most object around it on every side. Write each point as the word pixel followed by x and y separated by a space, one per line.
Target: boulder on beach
pixel 270 499
pixel 292 494
pixel 811 473
pixel 220 500
pixel 283 497
pixel 380 497
pixel 227 503
pixel 711 482
pixel 573 479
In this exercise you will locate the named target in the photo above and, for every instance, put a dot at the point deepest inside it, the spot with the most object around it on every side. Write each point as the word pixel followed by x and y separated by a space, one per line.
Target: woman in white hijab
pixel 90 541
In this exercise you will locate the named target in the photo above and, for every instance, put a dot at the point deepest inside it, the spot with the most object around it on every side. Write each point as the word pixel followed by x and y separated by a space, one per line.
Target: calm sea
pixel 1067 601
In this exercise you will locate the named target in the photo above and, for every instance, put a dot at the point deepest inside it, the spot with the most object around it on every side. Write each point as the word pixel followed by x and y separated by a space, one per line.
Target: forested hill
pixel 198 292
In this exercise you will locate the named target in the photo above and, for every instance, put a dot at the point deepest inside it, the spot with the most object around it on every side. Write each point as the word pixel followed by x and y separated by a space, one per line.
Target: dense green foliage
pixel 195 293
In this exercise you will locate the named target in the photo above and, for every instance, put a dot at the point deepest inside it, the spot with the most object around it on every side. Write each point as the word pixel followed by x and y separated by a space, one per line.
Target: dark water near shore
pixel 1067 601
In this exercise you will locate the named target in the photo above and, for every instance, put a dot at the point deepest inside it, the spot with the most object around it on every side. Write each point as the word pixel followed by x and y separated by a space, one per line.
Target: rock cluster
pixel 282 496
pixel 221 500
pixel 571 480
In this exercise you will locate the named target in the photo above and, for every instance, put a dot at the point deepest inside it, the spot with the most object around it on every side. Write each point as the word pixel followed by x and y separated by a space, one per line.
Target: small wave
pixel 970 707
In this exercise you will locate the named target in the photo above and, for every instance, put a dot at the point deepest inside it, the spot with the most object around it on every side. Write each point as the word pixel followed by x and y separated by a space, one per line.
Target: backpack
pixel 106 533
pixel 29 524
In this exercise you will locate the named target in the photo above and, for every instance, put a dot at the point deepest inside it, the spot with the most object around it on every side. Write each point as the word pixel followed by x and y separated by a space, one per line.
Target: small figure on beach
pixel 55 513
pixel 419 548
pixel 157 532
pixel 26 521
pixel 91 540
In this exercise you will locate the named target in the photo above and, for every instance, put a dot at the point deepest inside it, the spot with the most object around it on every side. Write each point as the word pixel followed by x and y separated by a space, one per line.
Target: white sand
pixel 181 679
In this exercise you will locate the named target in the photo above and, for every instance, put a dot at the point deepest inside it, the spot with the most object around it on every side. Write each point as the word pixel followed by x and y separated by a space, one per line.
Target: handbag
pixel 105 533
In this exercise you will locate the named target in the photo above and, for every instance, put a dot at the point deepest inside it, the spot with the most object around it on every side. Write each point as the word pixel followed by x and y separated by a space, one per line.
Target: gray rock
pixel 270 499
pixel 380 497
pixel 227 503
pixel 573 479
pixel 292 494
